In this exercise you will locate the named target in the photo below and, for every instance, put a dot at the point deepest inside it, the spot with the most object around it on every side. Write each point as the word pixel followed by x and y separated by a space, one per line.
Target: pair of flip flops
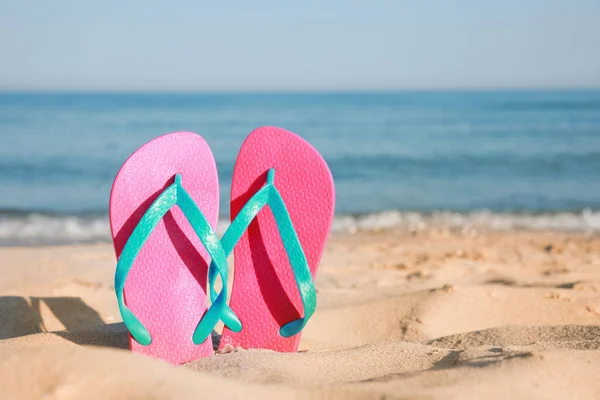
pixel 163 214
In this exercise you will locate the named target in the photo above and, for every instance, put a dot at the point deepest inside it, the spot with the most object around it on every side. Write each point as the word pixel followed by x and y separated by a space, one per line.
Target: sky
pixel 270 45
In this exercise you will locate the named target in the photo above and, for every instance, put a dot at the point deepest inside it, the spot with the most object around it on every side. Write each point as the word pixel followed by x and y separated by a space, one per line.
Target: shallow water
pixel 521 154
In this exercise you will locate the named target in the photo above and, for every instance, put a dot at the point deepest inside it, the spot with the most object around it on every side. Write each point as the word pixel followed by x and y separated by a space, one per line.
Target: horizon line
pixel 300 91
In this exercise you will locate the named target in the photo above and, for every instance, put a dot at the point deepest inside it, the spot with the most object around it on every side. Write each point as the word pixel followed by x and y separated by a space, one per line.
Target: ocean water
pixel 503 159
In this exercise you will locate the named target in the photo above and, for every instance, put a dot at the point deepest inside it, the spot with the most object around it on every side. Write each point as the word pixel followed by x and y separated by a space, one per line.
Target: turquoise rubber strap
pixel 219 308
pixel 175 194
pixel 269 195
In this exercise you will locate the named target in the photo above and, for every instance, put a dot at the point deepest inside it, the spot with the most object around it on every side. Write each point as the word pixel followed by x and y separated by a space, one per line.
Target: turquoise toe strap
pixel 269 195
pixel 175 194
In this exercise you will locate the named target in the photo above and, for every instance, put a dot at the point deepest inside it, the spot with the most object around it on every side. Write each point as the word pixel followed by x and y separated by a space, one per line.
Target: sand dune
pixel 434 314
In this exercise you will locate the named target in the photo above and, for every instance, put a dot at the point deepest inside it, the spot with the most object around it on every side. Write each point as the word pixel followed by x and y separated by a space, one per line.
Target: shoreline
pixel 34 229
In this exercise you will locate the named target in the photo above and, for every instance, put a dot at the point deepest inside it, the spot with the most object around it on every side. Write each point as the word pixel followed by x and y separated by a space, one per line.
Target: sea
pixel 468 160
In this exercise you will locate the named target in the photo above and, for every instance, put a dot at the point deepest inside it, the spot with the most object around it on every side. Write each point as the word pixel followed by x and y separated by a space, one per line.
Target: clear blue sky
pixel 298 45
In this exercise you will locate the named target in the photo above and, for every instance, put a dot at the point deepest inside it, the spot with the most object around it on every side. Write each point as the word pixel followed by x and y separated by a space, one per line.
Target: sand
pixel 419 315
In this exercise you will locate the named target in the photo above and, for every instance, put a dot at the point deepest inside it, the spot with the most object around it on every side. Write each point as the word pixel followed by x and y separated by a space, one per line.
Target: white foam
pixel 28 229
pixel 43 229
pixel 584 221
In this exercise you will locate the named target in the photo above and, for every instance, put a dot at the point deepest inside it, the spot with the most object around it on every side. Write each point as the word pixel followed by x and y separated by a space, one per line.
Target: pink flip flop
pixel 276 259
pixel 165 289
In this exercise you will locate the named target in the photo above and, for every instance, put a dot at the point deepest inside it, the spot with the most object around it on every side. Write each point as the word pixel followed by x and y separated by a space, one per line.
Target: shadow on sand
pixel 20 316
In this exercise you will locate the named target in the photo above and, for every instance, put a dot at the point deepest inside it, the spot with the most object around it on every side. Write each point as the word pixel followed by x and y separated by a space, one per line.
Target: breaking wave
pixel 36 228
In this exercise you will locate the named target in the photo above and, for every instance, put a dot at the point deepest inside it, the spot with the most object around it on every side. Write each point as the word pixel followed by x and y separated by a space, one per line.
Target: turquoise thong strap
pixel 175 194
pixel 269 195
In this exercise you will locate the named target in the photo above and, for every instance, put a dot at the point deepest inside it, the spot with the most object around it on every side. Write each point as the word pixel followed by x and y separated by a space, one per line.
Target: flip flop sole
pixel 166 286
pixel 264 294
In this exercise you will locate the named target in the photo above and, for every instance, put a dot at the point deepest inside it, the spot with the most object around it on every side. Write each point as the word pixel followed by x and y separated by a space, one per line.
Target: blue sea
pixel 496 159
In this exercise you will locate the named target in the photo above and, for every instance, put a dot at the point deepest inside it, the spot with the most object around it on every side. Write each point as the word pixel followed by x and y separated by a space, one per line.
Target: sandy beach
pixel 436 162
pixel 429 314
